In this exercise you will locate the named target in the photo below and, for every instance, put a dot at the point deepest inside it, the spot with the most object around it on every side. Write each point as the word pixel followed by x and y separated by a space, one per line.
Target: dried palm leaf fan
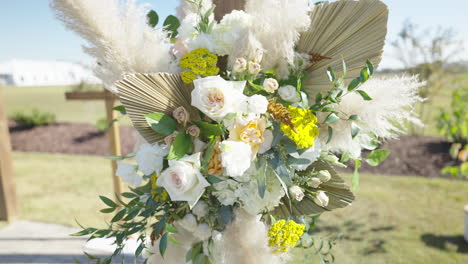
pixel 338 193
pixel 353 31
pixel 142 94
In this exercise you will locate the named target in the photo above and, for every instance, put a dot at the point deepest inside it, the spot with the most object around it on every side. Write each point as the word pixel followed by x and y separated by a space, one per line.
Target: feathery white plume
pixel 118 37
pixel 186 8
pixel 277 25
pixel 385 116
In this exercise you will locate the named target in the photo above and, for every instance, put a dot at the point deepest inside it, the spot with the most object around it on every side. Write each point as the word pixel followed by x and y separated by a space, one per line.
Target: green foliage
pixel 33 118
pixel 376 157
pixel 453 123
pixel 101 124
pixel 205 25
pixel 152 18
pixel 172 24
pixel 161 123
pixel 181 146
pixel 210 130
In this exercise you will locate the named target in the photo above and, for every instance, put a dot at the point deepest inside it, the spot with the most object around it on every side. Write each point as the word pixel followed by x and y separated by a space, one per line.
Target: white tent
pixel 44 73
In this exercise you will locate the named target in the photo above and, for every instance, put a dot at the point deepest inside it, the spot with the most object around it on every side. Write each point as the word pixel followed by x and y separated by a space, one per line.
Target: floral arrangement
pixel 244 117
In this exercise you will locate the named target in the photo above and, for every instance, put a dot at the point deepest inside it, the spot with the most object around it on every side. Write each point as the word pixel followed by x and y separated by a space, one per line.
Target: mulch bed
pixel 411 155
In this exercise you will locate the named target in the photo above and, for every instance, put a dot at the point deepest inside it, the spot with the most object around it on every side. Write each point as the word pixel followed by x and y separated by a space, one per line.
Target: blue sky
pixel 28 29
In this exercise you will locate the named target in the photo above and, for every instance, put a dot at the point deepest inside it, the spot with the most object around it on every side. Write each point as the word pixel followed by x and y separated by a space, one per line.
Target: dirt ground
pixel 411 155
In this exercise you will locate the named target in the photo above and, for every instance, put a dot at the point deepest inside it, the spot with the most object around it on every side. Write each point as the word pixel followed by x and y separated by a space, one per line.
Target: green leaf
pixel 120 109
pixel 355 179
pixel 330 134
pixel 331 74
pixel 370 66
pixel 354 130
pixel 262 177
pixel 108 201
pixel 213 179
pixel 353 117
pixel 129 195
pixel 318 97
pixel 172 24
pixel 139 250
pixel 174 241
pixel 345 157
pixel 377 156
pixel 332 118
pixel 208 154
pixel 182 145
pixel 208 130
pixel 163 244
pixel 132 213
pixel 160 226
pixel 85 232
pixel 107 210
pixel 364 95
pixel 345 68
pixel 171 229
pixel 353 84
pixel 364 75
pixel 161 123
pixel 119 215
pixel 152 18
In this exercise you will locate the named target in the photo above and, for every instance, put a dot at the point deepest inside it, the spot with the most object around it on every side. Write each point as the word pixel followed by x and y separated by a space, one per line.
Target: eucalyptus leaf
pixel 331 74
pixel 364 75
pixel 331 118
pixel 354 84
pixel 377 156
pixel 108 201
pixel 330 134
pixel 163 244
pixel 355 129
pixel 161 123
pixel 119 215
pixel 213 179
pixel 261 177
pixel 364 95
pixel 353 117
pixel 370 66
pixel 120 109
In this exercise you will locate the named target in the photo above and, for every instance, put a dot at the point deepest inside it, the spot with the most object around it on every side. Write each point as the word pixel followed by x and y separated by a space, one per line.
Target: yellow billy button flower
pixel 200 63
pixel 305 127
pixel 284 235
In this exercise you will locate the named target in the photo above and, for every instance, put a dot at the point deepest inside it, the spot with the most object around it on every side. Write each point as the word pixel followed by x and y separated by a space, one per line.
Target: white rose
pixel 216 97
pixel 296 193
pixel 257 104
pixel 203 231
pixel 189 222
pixel 324 175
pixel 314 182
pixel 150 158
pixel 200 209
pixel 240 65
pixel 289 94
pixel 183 180
pixel 311 154
pixel 267 140
pixel 321 199
pixel 254 68
pixel 235 157
pixel 128 173
pixel 270 85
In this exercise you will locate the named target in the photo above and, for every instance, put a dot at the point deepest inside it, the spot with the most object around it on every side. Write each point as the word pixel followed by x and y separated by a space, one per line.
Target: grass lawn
pixel 394 220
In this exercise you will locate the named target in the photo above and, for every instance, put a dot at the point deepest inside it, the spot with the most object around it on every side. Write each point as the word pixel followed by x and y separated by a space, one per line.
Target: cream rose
pixel 181 115
pixel 289 94
pixel 296 193
pixel 216 97
pixel 270 85
pixel 240 65
pixel 321 199
pixel 183 180
pixel 254 68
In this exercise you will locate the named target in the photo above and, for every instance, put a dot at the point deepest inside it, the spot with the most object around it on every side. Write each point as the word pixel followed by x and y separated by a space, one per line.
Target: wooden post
pixel 466 223
pixel 113 132
pixel 8 203
pixel 224 7
pixel 114 142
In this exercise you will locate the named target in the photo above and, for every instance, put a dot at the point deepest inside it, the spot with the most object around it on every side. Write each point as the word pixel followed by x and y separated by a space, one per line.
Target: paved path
pixel 32 242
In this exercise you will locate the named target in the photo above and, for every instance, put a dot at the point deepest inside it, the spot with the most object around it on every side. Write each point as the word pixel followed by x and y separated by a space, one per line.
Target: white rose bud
pixel 270 85
pixel 200 209
pixel 194 131
pixel 321 199
pixel 189 222
pixel 240 65
pixel 324 175
pixel 314 182
pixel 170 139
pixel 254 68
pixel 181 115
pixel 288 93
pixel 296 193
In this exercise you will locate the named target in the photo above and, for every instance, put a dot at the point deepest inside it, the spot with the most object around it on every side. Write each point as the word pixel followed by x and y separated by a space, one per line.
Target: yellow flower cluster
pixel 284 235
pixel 304 130
pixel 200 62
pixel 157 192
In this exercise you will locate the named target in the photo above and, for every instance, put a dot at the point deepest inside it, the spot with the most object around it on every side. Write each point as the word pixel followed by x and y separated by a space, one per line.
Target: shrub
pixel 33 118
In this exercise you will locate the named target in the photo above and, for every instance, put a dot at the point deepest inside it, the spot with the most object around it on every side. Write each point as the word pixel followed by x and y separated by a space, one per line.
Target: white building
pixel 44 73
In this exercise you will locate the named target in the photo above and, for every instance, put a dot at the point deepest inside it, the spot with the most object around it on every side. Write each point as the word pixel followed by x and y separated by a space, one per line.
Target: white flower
pixel 324 176
pixel 150 158
pixel 189 222
pixel 236 157
pixel 267 140
pixel 296 193
pixel 314 182
pixel 311 154
pixel 289 94
pixel 200 209
pixel 257 104
pixel 203 232
pixel 270 85
pixel 193 130
pixel 226 191
pixel 181 115
pixel 254 68
pixel 240 65
pixel 216 97
pixel 321 199
pixel 183 180
pixel 128 173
